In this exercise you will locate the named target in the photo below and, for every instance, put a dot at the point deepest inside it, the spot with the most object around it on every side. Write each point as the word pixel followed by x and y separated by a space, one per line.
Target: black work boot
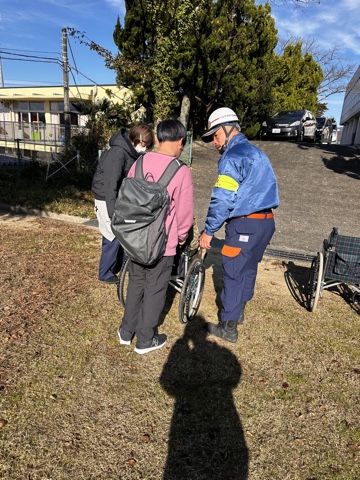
pixel 225 330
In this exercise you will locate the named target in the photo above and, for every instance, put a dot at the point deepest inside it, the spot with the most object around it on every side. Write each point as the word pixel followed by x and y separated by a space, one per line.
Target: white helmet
pixel 221 116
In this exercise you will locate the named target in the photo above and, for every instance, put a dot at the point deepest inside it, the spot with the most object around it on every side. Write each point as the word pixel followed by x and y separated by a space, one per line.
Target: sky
pixel 35 29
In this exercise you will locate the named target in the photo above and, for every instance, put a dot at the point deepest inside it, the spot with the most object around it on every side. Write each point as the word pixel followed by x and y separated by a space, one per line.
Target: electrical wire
pixel 34 61
pixel 29 51
pixel 73 58
pixel 40 59
pixel 95 83
pixel 2 51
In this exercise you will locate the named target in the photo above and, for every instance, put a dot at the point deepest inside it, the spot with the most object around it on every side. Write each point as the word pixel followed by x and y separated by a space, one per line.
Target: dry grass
pixel 282 403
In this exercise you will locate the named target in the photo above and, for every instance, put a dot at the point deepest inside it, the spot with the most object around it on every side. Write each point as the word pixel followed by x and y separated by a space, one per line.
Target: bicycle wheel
pixel 192 290
pixel 123 282
pixel 315 280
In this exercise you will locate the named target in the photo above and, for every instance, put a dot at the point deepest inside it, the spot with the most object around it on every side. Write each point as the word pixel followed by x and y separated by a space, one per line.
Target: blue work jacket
pixel 246 184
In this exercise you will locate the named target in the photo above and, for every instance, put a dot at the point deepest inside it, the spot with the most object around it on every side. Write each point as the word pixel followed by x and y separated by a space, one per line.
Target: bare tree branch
pixel 297 3
pixel 337 70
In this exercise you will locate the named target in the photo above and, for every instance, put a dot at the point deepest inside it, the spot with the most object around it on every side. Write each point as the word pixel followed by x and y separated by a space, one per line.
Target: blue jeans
pixel 111 259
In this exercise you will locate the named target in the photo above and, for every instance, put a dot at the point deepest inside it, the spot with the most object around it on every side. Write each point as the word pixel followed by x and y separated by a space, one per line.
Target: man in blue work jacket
pixel 243 197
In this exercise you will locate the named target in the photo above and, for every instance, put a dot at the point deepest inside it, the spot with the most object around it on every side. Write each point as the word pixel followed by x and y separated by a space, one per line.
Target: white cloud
pixel 329 17
pixel 350 4
pixel 117 4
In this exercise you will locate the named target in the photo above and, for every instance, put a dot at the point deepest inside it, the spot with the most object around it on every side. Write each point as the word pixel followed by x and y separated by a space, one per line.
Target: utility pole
pixel 65 66
pixel 1 75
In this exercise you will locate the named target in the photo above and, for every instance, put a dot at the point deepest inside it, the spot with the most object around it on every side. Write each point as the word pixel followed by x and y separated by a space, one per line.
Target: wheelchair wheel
pixel 123 282
pixel 356 298
pixel 192 290
pixel 315 280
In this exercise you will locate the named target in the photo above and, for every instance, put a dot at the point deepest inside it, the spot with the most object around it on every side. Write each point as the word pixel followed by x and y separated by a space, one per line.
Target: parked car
pixel 324 130
pixel 334 136
pixel 291 124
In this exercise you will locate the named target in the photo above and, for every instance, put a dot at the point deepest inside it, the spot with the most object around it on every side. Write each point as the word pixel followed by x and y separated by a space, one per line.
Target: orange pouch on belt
pixel 229 251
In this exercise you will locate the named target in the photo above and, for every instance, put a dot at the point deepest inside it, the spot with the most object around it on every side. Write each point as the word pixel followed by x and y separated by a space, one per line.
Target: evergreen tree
pixel 217 53
pixel 189 57
pixel 298 80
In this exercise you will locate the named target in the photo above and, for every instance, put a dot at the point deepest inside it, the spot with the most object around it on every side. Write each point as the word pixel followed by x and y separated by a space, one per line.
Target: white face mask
pixel 140 149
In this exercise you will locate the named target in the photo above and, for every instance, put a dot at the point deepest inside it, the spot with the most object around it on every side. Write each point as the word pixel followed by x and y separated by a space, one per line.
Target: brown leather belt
pixel 259 216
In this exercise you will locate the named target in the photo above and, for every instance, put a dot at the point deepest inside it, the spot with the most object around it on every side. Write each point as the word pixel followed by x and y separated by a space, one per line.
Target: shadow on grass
pixel 346 292
pixel 297 279
pixel 206 438
pixel 68 192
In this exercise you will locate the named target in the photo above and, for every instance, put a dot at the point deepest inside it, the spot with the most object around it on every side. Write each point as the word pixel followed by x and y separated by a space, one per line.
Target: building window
pixel 74 119
pixel 29 106
pixel 37 106
pixel 58 107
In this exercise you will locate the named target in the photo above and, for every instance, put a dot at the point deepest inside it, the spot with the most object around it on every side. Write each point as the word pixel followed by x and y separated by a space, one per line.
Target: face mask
pixel 140 149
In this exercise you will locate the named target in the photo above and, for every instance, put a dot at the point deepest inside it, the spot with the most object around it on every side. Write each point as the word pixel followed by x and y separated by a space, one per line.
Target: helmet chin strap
pixel 227 135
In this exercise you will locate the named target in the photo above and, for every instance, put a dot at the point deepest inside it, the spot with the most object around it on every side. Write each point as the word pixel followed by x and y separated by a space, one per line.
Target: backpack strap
pixel 139 173
pixel 170 171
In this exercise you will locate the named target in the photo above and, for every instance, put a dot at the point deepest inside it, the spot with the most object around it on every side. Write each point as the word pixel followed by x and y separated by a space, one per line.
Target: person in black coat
pixel 114 164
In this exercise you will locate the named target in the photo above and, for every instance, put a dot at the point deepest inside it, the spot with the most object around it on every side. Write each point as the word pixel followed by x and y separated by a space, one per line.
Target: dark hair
pixel 170 131
pixel 142 133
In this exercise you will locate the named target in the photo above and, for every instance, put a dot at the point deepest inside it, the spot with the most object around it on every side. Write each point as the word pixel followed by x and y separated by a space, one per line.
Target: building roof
pixel 76 93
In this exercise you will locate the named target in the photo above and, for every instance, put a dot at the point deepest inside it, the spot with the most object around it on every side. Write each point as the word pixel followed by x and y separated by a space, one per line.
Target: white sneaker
pixel 122 341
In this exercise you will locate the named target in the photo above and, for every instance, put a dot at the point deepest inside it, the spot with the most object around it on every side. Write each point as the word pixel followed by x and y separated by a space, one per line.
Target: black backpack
pixel 140 212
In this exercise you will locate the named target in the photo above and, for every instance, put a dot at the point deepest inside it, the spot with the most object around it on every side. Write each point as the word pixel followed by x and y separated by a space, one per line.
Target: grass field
pixel 282 403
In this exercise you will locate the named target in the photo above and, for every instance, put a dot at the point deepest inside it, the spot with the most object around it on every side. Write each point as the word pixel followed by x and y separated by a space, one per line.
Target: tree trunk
pixel 185 110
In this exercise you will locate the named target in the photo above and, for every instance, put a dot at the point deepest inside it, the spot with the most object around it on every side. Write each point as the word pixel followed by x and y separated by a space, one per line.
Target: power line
pixel 34 61
pixel 2 51
pixel 97 84
pixel 41 59
pixel 29 51
pixel 73 76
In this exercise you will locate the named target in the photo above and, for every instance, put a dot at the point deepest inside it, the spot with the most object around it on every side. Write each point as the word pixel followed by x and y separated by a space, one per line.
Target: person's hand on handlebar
pixel 205 241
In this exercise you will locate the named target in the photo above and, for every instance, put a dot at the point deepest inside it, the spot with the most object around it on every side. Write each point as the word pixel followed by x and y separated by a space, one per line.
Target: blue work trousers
pixel 245 242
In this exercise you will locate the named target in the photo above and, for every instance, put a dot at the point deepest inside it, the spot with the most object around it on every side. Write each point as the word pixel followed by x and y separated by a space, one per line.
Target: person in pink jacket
pixel 148 284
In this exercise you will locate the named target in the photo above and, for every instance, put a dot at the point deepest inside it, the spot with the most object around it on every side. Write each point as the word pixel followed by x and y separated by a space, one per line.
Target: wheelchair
pixel 338 263
pixel 188 279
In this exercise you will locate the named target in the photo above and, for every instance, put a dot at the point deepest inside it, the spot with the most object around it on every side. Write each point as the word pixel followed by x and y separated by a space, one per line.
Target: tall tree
pixel 337 70
pixel 188 57
pixel 151 50
pixel 298 79
pixel 213 52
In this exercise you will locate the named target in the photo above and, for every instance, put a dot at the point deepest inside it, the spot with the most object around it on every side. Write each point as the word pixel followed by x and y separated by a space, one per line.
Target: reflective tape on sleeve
pixel 227 183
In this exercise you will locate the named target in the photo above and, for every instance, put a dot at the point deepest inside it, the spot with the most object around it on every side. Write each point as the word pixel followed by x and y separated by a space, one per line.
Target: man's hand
pixel 205 241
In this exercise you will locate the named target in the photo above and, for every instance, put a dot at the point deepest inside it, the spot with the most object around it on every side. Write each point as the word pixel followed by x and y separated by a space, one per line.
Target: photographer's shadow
pixel 206 438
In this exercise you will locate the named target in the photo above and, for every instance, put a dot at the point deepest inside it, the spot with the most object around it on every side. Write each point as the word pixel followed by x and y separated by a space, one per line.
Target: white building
pixel 350 113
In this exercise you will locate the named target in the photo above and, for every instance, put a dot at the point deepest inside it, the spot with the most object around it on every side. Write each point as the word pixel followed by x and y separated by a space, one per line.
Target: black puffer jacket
pixel 113 166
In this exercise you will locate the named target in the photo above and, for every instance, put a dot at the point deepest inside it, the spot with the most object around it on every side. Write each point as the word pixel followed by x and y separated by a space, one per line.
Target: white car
pixel 334 137
pixel 324 130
